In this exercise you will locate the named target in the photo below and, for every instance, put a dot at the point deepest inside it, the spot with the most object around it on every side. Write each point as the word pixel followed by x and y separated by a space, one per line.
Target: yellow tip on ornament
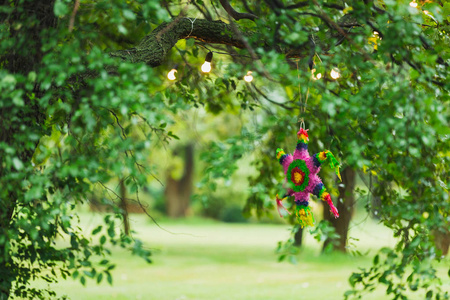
pixel 304 216
pixel 338 173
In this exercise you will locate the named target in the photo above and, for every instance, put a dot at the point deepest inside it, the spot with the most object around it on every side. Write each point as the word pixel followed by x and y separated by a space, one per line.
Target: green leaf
pixel 190 42
pixel 60 9
pixel 97 230
pixel 109 277
pixel 99 277
pixel 128 14
pixel 9 80
pixel 73 242
pixel 376 259
pixel 349 293
pixel 355 278
pixel 32 76
pixel 17 163
pixel 111 267
pixel 170 133
pixel 122 29
pixel 90 274
pixel 111 230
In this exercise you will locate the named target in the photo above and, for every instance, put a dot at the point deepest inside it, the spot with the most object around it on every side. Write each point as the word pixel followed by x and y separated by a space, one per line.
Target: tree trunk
pixel 298 237
pixel 345 206
pixel 442 241
pixel 123 207
pixel 178 192
pixel 378 188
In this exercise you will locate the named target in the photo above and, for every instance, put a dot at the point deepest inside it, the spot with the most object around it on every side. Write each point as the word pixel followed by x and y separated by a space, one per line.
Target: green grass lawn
pixel 210 260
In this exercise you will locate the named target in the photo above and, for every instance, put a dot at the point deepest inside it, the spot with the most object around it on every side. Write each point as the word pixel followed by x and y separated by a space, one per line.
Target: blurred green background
pixel 199 258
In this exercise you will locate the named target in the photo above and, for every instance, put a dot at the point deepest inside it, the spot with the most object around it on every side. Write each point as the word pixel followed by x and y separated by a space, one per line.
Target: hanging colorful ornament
pixel 301 175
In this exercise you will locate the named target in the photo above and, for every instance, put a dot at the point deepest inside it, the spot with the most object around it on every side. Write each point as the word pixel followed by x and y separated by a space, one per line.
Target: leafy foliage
pixel 73 117
pixel 68 126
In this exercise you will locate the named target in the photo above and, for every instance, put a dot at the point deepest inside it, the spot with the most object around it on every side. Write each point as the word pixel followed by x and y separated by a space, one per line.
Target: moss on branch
pixel 154 47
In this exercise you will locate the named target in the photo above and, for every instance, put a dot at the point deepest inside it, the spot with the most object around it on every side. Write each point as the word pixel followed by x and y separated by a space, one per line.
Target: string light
pixel 206 67
pixel 335 73
pixel 413 3
pixel 315 77
pixel 171 74
pixel 248 77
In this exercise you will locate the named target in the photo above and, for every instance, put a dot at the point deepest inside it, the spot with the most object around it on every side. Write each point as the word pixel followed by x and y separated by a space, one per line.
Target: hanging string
pixel 192 23
pixel 302 123
pixel 302 109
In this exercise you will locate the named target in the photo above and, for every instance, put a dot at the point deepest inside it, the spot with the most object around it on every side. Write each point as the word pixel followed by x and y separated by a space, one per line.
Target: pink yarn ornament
pixel 301 175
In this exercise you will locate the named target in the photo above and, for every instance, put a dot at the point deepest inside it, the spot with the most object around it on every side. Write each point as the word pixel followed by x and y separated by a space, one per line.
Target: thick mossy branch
pixel 154 47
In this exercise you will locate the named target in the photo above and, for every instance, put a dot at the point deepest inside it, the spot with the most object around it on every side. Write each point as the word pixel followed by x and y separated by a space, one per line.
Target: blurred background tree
pixel 178 189
pixel 85 102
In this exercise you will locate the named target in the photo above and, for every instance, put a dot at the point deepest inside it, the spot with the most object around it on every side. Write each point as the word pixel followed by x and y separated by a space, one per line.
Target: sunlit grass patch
pixel 204 259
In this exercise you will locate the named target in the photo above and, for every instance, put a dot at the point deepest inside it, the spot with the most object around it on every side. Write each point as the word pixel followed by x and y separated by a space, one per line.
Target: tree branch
pixel 306 3
pixel 236 15
pixel 154 47
pixel 247 7
pixel 205 12
pixel 74 13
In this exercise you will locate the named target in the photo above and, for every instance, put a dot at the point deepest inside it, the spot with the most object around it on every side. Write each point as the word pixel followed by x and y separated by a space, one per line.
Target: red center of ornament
pixel 297 176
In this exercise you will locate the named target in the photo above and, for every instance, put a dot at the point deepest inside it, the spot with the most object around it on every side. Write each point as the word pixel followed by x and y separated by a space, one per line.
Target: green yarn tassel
pixel 334 164
pixel 304 215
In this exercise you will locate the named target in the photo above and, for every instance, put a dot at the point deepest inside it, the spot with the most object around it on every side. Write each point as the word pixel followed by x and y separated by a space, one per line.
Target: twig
pixel 247 7
pixel 271 101
pixel 172 24
pixel 219 52
pixel 166 6
pixel 153 219
pixel 109 190
pixel 74 13
pixel 343 33
pixel 118 123
pixel 306 3
pixel 249 49
pixel 236 15
pixel 205 13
